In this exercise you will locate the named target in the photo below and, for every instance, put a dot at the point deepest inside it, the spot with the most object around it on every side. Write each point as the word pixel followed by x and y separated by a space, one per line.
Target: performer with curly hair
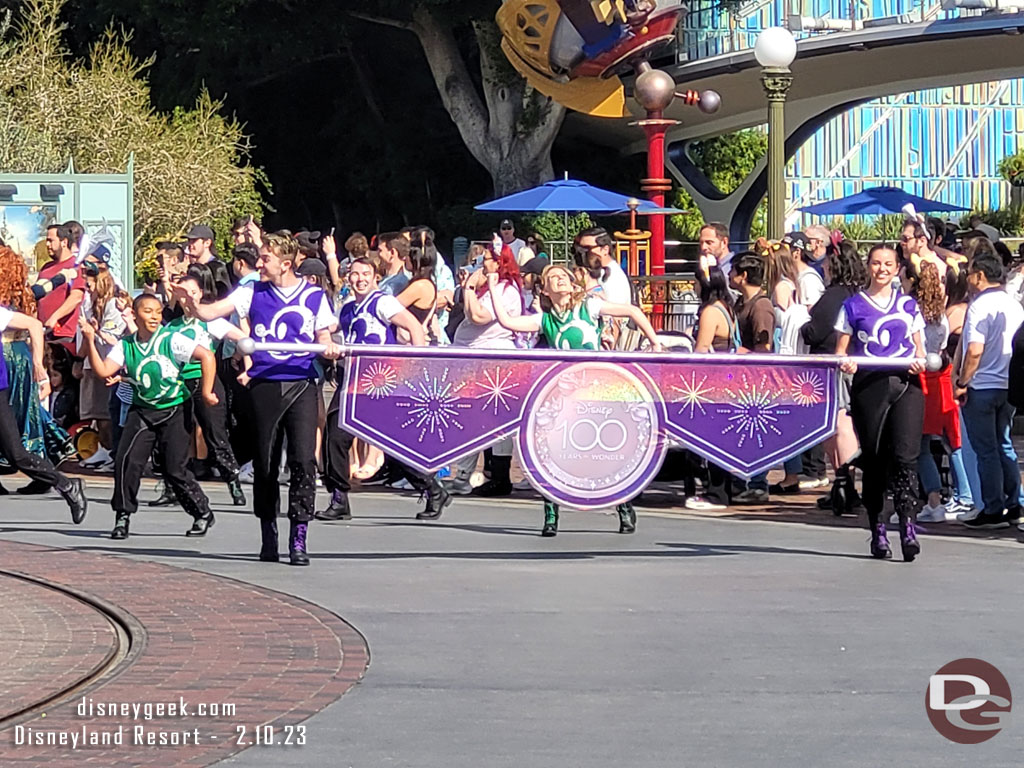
pixel 40 435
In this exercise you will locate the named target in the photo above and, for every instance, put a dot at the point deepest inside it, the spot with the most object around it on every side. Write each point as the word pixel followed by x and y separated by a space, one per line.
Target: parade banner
pixel 592 427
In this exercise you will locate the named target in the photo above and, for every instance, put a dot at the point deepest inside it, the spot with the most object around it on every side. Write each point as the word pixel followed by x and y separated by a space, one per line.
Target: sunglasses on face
pixel 507 229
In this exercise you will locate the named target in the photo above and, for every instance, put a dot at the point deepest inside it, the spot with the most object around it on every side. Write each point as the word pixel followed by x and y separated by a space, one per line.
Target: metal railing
pixel 710 28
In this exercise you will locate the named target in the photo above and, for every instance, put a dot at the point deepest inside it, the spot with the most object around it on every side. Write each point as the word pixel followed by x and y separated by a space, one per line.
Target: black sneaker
pixel 784 490
pixel 74 495
pixel 987 522
pixel 201 525
pixel 752 496
pixel 1013 514
pixel 120 527
pixel 166 499
pixel 380 477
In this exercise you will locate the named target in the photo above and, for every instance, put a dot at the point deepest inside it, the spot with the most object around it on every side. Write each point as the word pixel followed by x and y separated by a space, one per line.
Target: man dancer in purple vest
pixel 282 308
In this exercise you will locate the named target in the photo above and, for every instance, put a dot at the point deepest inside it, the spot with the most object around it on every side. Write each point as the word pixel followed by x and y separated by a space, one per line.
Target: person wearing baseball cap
pixel 201 250
pixel 809 285
pixel 508 237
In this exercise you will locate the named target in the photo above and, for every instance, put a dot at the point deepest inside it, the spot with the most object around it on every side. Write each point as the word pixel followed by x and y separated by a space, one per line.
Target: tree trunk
pixel 511 130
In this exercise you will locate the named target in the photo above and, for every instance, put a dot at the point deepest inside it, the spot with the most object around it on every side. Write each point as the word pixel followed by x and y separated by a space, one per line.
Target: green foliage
pixel 857 229
pixel 726 161
pixel 552 227
pixel 1011 168
pixel 190 166
pixel 1009 221
pixel 888 228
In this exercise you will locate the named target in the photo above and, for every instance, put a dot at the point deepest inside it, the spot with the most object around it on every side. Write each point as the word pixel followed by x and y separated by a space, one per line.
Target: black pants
pixel 213 420
pixel 165 429
pixel 888 414
pixel 813 460
pixel 241 417
pixel 336 448
pixel 284 409
pixel 12 449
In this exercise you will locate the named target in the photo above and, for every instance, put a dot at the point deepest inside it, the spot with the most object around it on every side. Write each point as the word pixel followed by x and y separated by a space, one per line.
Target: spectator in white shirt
pixel 508 237
pixel 993 317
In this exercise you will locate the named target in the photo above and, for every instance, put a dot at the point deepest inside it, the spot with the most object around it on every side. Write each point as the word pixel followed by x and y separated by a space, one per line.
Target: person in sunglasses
pixel 508 237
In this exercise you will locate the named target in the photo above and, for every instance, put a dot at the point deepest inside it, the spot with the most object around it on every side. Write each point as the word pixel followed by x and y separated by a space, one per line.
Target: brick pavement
pixel 205 639
pixel 50 641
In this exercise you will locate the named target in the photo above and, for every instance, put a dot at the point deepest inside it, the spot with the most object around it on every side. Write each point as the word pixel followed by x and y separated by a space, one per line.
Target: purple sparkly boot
pixel 909 544
pixel 297 554
pixel 880 542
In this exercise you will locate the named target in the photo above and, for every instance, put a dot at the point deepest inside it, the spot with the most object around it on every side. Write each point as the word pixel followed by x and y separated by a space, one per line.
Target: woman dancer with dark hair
pixel 887 405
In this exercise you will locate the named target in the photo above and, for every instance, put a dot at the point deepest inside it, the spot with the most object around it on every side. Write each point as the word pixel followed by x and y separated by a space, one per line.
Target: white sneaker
pixel 477 478
pixel 930 514
pixel 700 503
pixel 963 517
pixel 245 473
pixel 101 456
pixel 106 466
pixel 895 519
pixel 460 486
pixel 402 485
pixel 810 485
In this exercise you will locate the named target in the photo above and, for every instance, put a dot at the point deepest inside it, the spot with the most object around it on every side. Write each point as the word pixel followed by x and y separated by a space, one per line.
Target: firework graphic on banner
pixel 754 413
pixel 694 394
pixel 379 380
pixel 497 390
pixel 807 389
pixel 433 405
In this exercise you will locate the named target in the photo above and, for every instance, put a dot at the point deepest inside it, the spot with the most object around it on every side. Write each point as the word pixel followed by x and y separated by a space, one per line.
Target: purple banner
pixel 592 432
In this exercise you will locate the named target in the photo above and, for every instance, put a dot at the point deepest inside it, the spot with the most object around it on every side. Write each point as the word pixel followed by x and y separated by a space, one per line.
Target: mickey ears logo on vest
pixel 968 701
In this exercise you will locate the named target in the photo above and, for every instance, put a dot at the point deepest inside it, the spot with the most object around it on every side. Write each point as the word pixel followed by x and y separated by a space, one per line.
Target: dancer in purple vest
pixel 281 308
pixel 371 318
pixel 887 405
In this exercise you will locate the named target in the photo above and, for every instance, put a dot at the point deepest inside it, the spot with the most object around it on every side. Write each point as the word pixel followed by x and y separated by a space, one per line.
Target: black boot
pixel 237 494
pixel 338 509
pixel 297 554
pixel 166 499
pixel 627 518
pixel 550 519
pixel 437 499
pixel 120 526
pixel 500 483
pixel 268 534
pixel 201 525
pixel 74 495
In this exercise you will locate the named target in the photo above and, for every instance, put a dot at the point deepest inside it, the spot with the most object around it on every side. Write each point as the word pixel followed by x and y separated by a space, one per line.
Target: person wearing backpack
pixel 755 320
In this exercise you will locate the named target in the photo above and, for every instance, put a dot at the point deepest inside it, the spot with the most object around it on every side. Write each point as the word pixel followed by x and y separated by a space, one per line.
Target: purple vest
pixel 273 318
pixel 882 333
pixel 4 381
pixel 358 322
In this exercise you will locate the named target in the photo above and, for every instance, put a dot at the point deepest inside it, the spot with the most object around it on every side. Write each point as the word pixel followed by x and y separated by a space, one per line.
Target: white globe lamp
pixel 775 47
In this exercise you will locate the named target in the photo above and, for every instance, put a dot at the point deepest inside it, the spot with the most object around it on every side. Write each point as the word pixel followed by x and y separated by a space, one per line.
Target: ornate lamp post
pixel 775 50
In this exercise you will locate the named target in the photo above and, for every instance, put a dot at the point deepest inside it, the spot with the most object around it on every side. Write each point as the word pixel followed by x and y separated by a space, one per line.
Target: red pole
pixel 656 185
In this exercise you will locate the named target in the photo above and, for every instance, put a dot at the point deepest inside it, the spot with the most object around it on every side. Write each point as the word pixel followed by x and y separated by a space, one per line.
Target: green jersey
pixel 576 329
pixel 206 335
pixel 154 367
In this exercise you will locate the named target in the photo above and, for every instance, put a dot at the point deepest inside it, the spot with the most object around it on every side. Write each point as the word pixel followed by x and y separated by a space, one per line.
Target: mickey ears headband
pixel 835 237
pixel 911 213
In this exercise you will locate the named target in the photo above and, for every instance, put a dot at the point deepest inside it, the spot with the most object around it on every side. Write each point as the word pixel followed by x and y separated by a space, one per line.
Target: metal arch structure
pixel 832 73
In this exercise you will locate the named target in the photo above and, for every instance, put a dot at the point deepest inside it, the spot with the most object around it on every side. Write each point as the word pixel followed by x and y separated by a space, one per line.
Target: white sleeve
pixel 843 322
pixel 182 347
pixel 388 307
pixel 811 290
pixel 241 299
pixel 324 316
pixel 918 322
pixel 594 305
pixel 5 318
pixel 219 328
pixel 975 324
pixel 116 354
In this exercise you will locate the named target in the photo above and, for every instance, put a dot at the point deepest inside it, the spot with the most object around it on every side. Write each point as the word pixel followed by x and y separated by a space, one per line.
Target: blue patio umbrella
pixel 564 195
pixel 879 200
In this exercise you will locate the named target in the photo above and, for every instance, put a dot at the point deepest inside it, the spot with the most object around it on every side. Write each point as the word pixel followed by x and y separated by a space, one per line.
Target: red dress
pixel 940 409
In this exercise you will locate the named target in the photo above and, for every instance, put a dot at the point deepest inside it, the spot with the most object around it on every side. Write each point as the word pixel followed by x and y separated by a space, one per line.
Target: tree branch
pixel 385 20
pixel 451 76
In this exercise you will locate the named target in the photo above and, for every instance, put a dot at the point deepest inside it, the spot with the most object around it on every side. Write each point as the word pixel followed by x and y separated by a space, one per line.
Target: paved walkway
pixel 207 641
pixel 696 641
